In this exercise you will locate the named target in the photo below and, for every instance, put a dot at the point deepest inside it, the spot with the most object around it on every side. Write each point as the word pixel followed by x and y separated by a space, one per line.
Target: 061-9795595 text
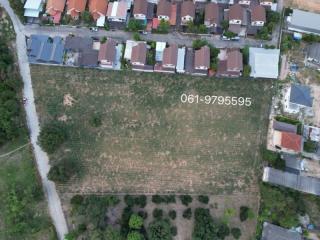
pixel 220 100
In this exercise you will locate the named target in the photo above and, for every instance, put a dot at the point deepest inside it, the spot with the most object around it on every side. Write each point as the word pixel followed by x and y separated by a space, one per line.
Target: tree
pixel 62 171
pixel 187 213
pixel 134 235
pixel 136 36
pixel 172 214
pixel 199 43
pixel 204 227
pixel 52 135
pixel 135 25
pixel 111 233
pixel 244 211
pixel 129 200
pixel 225 25
pixel 135 222
pixel 245 53
pixel 186 199
pixel 223 231
pixel 159 230
pixel 141 201
pixel 229 34
pixel 203 199
pixel 86 17
pixel 246 70
pixel 157 213
pixel 236 233
pixel 163 26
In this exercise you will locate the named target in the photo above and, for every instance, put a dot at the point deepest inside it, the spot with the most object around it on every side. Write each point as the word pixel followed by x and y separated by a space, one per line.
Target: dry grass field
pixel 309 5
pixel 149 141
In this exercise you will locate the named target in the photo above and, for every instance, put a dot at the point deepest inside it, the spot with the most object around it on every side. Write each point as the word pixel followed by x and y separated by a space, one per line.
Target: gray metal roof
pixel 293 163
pixel 42 48
pixel 305 21
pixel 300 183
pixel 314 51
pixel 274 232
pixel 301 94
pixel 284 127
pixel 76 43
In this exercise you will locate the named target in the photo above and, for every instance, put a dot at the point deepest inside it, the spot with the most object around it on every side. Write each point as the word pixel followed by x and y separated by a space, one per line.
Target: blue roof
pixel 46 50
pixel 301 94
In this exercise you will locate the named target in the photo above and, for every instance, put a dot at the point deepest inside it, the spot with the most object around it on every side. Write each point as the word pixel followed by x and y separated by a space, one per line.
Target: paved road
pixel 178 38
pixel 41 157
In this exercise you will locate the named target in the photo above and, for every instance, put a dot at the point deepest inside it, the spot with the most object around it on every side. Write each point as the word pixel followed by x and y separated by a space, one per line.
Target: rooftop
pixel 306 21
pixel 273 232
pixel 291 141
pixel 301 94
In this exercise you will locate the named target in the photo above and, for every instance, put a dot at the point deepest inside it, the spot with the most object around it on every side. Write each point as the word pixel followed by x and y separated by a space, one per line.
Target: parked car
pixel 94 29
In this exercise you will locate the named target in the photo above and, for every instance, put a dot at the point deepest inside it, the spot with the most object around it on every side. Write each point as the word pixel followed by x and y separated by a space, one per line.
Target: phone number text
pixel 220 100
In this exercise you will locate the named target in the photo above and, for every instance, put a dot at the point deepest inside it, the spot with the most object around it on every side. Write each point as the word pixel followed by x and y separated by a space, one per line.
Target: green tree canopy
pixel 159 230
pixel 52 135
pixel 135 222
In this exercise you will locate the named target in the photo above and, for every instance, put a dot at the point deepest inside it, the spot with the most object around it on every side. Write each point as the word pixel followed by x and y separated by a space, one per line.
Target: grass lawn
pixel 149 141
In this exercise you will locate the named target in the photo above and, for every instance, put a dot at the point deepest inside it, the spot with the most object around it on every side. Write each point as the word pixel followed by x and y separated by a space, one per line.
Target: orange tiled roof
pixel 55 5
pixel 291 141
pixel 77 5
pixel 98 7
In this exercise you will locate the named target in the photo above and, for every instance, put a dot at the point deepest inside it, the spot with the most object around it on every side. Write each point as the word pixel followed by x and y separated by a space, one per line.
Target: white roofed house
pixel 264 63
pixel 304 22
pixel 32 8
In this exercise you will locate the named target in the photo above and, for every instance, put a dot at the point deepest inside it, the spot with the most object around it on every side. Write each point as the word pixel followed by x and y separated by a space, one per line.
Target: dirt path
pixel 13 151
pixel 41 157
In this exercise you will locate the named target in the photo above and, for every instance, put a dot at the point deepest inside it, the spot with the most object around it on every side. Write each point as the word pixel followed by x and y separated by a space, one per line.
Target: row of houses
pixel 149 56
pixel 241 16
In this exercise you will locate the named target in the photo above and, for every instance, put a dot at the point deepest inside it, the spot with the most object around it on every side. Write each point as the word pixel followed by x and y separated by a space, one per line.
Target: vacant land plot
pixel 310 5
pixel 148 140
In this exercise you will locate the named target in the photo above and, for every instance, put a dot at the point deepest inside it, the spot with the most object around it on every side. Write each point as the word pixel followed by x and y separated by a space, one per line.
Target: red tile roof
pixel 291 141
pixel 234 60
pixel 163 8
pixel 98 8
pixel 75 7
pixel 211 13
pixel 140 7
pixel 107 50
pixel 170 55
pixel 258 14
pixel 54 6
pixel 173 15
pixel 236 12
pixel 139 53
pixel 202 57
pixel 188 9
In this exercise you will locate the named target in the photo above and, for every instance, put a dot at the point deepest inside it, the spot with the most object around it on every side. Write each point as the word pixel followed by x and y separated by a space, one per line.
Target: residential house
pixel 294 164
pixel 117 11
pixel 313 55
pixel 170 57
pixel 160 46
pixel 298 98
pixel 32 8
pixel 274 232
pixel 297 182
pixel 211 15
pixel 287 141
pixel 140 9
pixel 304 22
pixel 43 49
pixel 266 3
pixel 264 63
pixel 258 16
pixel 55 8
pixel 230 63
pixel 107 53
pixel 164 10
pixel 81 52
pixel 76 7
pixel 98 10
pixel 202 60
pixel 187 12
pixel 181 60
pixel 236 16
pixel 139 54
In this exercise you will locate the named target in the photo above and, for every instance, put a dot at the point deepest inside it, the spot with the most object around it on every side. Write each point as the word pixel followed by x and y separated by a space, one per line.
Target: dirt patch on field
pixel 68 100
pixel 310 5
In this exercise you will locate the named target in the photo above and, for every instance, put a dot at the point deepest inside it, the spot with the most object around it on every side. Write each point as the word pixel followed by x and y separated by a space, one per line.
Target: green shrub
pixel 236 233
pixel 134 235
pixel 62 171
pixel 244 213
pixel 174 231
pixel 310 146
pixel 172 214
pixel 96 120
pixel 157 213
pixel 203 199
pixel 187 213
pixel 135 222
pixel 157 199
pixel 159 230
pixel 141 201
pixel 223 231
pixel 186 199
pixel 52 135
pixel 129 200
